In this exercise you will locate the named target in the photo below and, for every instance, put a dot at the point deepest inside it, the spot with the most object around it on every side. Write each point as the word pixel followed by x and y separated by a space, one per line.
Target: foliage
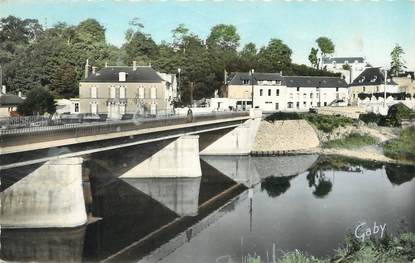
pixel 397 62
pixel 353 140
pixel 402 148
pixel 313 57
pixel 327 123
pixel 223 36
pixel 346 67
pixel 39 101
pixel 326 46
pixel 274 57
pixel 397 113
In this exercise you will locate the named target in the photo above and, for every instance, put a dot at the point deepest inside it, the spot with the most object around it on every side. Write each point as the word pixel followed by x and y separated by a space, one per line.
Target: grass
pixel 325 123
pixel 352 141
pixel 385 250
pixel 403 148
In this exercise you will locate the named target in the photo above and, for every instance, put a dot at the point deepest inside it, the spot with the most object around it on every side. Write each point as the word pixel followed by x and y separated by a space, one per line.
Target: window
pixel 305 104
pixel 269 92
pixel 318 104
pixel 290 105
pixel 305 96
pixel 153 94
pixel 298 88
pixel 311 95
pixel 94 108
pixel 276 106
pixel 245 81
pixel 298 105
pixel 278 92
pixel 141 92
pixel 337 89
pixel 122 92
pixel 93 92
pixel 325 103
pixel 153 109
pixel 112 92
pixel 364 89
pixel 317 95
pixel 260 92
pixel 122 76
pixel 76 105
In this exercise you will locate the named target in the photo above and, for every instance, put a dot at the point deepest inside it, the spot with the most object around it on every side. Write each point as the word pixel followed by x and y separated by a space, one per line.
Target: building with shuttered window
pixel 121 90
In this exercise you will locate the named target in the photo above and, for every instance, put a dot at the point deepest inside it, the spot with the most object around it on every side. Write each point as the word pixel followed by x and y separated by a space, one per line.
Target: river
pixel 240 206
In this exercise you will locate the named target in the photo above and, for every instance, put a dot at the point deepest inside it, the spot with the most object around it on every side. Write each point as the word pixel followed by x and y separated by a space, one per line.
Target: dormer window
pixel 122 76
pixel 374 79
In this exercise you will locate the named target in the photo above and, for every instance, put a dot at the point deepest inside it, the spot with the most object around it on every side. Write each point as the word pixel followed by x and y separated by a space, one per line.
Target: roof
pixel 342 60
pixel 236 78
pixel 371 76
pixel 110 74
pixel 314 81
pixel 10 99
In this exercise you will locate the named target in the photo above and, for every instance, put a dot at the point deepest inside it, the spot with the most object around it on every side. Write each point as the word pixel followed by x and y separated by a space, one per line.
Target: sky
pixel 368 28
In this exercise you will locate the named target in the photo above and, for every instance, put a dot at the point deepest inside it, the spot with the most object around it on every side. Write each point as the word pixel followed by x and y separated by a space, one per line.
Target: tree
pixel 223 36
pixel 90 31
pixel 397 63
pixel 64 83
pixel 39 101
pixel 276 56
pixel 180 34
pixel 313 57
pixel 326 46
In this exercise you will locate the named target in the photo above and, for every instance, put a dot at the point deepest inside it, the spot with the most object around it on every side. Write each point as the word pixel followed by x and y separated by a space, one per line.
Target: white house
pixel 300 93
pixel 348 67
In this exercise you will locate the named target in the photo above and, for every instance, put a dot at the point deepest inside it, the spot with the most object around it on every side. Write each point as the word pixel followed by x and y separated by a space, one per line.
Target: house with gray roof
pixel 120 90
pixel 8 103
pixel 275 92
pixel 370 81
pixel 348 67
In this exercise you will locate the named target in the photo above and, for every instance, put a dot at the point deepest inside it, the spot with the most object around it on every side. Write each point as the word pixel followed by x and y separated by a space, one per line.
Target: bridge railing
pixel 28 135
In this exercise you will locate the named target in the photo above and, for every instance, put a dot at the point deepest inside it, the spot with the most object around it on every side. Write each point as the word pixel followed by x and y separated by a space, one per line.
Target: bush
pixel 328 123
pixel 402 148
pixel 354 140
pixel 280 116
pixel 396 114
pixel 39 101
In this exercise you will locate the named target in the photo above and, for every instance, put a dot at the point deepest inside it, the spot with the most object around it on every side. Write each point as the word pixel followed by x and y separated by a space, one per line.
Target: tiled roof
pixel 110 74
pixel 237 78
pixel 342 60
pixel 10 99
pixel 371 76
pixel 308 81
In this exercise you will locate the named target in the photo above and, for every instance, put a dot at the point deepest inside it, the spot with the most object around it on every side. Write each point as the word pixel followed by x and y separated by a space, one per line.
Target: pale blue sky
pixel 367 28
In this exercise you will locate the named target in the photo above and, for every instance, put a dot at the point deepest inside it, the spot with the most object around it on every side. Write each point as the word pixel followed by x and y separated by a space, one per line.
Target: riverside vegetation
pixel 400 248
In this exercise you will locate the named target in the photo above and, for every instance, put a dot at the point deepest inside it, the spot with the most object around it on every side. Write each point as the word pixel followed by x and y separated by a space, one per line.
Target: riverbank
pixel 337 136
pixel 396 249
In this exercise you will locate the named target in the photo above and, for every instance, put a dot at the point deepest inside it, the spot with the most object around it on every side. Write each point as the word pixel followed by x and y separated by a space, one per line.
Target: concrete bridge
pixel 46 163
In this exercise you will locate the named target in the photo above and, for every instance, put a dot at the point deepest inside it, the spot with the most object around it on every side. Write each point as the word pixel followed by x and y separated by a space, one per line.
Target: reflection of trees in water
pixel 399 174
pixel 276 186
pixel 322 185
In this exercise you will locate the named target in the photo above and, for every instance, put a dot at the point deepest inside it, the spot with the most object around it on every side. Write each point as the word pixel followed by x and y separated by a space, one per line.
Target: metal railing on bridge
pixel 47 129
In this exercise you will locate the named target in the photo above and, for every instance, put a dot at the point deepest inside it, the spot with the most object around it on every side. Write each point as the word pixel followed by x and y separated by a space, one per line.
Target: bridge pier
pixel 180 158
pixel 239 141
pixel 50 196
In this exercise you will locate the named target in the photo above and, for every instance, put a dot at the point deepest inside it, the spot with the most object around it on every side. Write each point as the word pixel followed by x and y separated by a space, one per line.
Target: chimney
pixel 94 70
pixel 86 68
pixel 134 65
pixel 3 89
pixel 20 94
pixel 106 64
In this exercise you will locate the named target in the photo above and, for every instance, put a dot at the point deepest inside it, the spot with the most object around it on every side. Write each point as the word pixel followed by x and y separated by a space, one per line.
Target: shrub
pixel 402 148
pixel 354 140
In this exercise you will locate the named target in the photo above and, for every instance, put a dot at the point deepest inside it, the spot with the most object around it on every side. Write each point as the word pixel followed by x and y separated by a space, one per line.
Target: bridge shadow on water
pixel 134 217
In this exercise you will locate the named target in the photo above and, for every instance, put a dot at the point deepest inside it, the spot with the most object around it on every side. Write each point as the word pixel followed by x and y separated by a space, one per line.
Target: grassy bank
pixel 352 141
pixel 325 123
pixel 388 249
pixel 403 148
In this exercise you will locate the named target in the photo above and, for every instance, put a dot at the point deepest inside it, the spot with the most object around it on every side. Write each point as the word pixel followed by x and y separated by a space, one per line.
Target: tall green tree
pixel 274 57
pixel 64 83
pixel 326 46
pixel 397 62
pixel 38 101
pixel 224 37
pixel 313 57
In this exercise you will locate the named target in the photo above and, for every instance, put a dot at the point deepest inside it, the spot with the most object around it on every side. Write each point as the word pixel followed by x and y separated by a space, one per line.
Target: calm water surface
pixel 240 206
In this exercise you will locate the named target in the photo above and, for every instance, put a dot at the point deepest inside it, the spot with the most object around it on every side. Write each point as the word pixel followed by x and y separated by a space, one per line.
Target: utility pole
pixel 384 89
pixel 252 87
pixel 191 94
